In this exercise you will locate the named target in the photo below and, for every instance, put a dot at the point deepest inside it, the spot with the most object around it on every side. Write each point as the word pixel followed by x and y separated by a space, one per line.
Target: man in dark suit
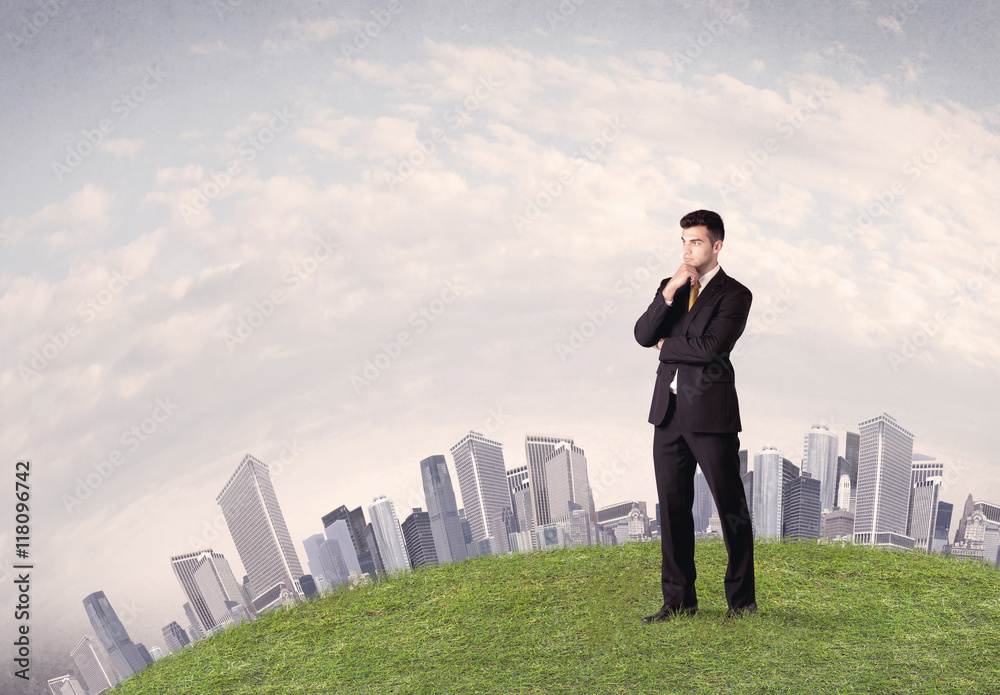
pixel 694 321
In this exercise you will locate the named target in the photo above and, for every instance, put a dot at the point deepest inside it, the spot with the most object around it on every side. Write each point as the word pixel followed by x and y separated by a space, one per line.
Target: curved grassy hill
pixel 832 620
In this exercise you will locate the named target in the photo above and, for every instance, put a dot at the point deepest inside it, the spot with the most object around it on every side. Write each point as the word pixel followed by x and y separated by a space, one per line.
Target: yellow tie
pixel 694 294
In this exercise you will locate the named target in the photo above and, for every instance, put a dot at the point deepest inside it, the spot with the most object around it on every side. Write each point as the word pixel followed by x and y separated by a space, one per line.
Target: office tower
pixel 837 523
pixel 942 526
pixel 789 472
pixel 567 480
pixel 579 525
pixel 199 615
pixel 801 508
pixel 744 462
pixel 144 653
pixel 332 559
pixel 308 585
pixel 311 546
pixel 923 512
pixel 482 478
pixel 367 555
pixel 94 666
pixel 339 531
pixel 521 501
pixel 991 542
pixel 704 504
pixel 767 486
pixel 156 653
pixel 194 626
pixel 884 464
pixel 819 460
pixel 537 449
pixel 442 509
pixel 844 491
pixel 215 582
pixel 747 479
pixel 258 527
pixel 388 534
pixel 419 539
pixel 852 454
pixel 175 637
pixel 65 685
pixel 375 553
pixel 124 656
pixel 990 511
pixel 921 468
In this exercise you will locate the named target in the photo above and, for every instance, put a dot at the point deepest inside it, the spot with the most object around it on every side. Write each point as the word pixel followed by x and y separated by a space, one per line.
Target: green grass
pixel 832 620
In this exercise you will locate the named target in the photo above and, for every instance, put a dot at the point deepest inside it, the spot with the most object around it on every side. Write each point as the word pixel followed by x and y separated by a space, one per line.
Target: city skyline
pixel 794 517
pixel 342 261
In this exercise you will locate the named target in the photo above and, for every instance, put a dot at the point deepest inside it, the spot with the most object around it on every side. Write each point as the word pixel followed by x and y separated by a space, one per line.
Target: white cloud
pixel 123 148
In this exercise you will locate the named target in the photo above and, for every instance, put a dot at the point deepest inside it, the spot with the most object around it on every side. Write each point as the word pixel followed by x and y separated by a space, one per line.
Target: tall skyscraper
pixel 923 512
pixel 122 652
pixel 922 468
pixel 368 558
pixel 175 637
pixel 184 567
pixel 886 456
pixel 801 510
pixel 744 462
pixel 567 480
pixel 376 554
pixel 258 527
pixel 340 531
pixel 442 509
pixel 194 624
pixel 521 501
pixel 482 479
pixel 942 526
pixel 93 664
pixel 388 534
pixel 538 448
pixel 767 488
pixel 331 553
pixel 852 454
pixel 704 504
pixel 311 545
pixel 217 585
pixel 65 685
pixel 419 539
pixel 819 460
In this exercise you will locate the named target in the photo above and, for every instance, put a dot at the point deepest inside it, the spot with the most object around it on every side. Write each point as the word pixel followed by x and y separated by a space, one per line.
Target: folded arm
pixel 725 327
pixel 656 321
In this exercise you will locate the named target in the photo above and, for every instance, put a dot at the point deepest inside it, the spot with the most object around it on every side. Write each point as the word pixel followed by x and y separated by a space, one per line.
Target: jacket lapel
pixel 704 297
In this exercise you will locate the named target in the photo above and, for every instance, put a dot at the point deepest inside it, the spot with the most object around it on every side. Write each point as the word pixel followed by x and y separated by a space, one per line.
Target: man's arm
pixel 724 329
pixel 655 322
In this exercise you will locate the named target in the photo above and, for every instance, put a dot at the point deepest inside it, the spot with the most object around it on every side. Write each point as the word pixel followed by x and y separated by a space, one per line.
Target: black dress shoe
pixel 742 612
pixel 669 613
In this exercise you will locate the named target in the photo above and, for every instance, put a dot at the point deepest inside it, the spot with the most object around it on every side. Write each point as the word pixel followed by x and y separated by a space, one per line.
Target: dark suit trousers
pixel 675 455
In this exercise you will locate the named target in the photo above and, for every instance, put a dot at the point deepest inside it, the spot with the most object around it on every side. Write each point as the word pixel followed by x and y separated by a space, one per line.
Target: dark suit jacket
pixel 698 342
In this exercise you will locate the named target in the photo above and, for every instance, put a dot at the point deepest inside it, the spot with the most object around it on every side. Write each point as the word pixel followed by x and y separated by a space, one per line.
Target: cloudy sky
pixel 341 235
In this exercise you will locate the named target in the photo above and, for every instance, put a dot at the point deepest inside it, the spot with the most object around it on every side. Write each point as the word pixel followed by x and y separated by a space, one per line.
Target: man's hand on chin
pixel 685 275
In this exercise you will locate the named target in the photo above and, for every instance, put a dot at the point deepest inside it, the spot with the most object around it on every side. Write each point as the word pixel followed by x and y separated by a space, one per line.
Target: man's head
pixel 702 234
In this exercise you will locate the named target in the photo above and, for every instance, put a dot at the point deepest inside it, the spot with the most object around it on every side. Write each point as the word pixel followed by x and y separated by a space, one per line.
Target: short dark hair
pixel 708 219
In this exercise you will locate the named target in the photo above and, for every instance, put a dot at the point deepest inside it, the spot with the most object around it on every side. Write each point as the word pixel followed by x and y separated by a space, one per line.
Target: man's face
pixel 698 248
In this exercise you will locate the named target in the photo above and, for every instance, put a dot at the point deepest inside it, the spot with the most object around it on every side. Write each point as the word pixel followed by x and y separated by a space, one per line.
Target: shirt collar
pixel 707 277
